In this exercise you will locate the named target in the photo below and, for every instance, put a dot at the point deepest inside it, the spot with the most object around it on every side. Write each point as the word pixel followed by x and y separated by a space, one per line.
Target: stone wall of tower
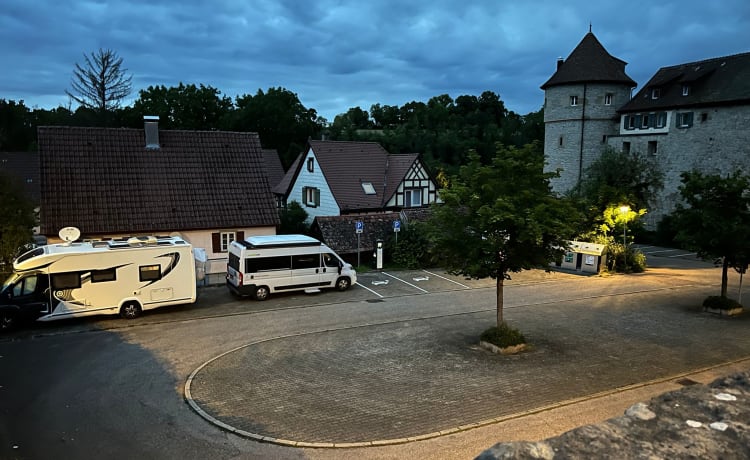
pixel 576 135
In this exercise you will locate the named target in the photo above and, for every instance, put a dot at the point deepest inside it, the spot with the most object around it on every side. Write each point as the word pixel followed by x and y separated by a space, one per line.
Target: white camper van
pixel 104 277
pixel 260 265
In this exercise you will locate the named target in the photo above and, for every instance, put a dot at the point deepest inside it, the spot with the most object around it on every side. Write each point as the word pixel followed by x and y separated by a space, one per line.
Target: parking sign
pixel 360 226
pixel 396 225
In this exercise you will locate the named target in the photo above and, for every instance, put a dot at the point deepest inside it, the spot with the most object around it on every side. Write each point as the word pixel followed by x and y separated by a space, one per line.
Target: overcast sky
pixel 338 54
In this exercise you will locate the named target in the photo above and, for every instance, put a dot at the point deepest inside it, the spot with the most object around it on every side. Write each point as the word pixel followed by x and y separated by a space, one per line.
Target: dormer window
pixel 655 93
pixel 685 90
pixel 368 188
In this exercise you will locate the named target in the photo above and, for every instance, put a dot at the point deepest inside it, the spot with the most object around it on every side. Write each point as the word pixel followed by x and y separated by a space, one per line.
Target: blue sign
pixel 360 226
pixel 396 225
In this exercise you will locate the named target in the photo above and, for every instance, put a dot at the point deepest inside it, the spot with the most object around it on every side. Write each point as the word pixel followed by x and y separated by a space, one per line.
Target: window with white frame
pixel 661 119
pixel 413 198
pixel 311 164
pixel 226 239
pixel 685 90
pixel 656 93
pixel 573 101
pixel 608 99
pixel 311 196
pixel 684 119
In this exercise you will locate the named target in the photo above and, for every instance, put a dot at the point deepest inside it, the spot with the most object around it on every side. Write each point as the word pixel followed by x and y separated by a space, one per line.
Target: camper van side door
pixel 306 270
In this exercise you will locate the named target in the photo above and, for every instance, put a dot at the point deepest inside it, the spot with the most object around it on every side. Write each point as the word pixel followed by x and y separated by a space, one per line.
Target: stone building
pixel 688 116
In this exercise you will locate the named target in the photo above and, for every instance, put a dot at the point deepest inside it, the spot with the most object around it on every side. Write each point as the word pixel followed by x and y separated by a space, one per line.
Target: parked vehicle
pixel 260 265
pixel 124 276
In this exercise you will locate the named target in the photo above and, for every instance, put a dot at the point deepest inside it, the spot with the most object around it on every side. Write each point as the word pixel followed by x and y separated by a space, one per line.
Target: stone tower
pixel 580 109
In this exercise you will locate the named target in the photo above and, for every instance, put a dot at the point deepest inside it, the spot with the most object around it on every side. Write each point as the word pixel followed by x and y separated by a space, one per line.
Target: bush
pixel 718 302
pixel 503 336
pixel 625 259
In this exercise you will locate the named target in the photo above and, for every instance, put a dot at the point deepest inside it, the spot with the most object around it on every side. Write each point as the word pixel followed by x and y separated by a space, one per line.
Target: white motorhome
pixel 260 265
pixel 124 276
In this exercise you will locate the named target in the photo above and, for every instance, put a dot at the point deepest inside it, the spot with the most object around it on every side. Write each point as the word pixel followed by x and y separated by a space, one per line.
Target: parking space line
pixel 447 279
pixel 362 285
pixel 405 282
pixel 692 254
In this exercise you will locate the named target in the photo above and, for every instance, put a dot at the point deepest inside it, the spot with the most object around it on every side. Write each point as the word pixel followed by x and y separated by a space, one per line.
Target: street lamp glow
pixel 624 210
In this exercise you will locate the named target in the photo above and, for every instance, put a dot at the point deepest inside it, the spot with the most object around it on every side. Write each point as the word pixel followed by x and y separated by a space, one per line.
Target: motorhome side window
pixel 150 272
pixel 70 280
pixel 329 260
pixel 234 261
pixel 100 276
pixel 264 264
pixel 305 261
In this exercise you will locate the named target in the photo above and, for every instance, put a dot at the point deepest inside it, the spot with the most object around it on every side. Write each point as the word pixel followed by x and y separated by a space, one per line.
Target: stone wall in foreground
pixel 700 421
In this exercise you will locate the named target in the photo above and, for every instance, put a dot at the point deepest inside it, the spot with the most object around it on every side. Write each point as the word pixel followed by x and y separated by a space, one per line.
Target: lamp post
pixel 624 210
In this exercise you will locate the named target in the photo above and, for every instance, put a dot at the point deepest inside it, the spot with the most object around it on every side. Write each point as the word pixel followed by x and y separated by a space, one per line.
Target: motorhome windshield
pixel 10 280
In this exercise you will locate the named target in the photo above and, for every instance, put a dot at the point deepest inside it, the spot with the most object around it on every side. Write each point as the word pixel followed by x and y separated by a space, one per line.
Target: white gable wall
pixel 314 179
pixel 416 179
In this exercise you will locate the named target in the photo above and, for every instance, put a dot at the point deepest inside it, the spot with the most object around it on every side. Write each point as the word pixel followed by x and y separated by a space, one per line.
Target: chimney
pixel 559 64
pixel 151 127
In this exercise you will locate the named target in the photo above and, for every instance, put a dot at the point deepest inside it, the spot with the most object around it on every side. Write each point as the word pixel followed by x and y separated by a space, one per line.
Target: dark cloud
pixel 337 54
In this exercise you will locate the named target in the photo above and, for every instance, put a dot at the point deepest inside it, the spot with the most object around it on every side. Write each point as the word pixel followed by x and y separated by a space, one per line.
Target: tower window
pixel 560 142
pixel 573 101
pixel 608 99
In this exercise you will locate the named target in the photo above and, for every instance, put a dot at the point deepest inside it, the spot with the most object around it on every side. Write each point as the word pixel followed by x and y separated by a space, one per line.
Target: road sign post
pixel 359 227
pixel 396 228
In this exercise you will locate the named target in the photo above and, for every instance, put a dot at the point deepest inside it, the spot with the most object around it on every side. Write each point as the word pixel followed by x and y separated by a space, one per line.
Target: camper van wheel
pixel 343 283
pixel 261 293
pixel 130 310
pixel 7 321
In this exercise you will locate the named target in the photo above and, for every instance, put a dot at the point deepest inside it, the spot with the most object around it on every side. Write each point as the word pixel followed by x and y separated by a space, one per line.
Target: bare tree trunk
pixel 724 278
pixel 500 283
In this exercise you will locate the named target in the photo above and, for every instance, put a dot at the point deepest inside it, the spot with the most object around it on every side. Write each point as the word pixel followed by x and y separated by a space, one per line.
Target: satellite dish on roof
pixel 69 234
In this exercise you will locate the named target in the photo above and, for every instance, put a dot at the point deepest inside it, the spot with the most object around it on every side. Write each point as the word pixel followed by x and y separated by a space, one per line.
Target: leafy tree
pixel 293 219
pixel 716 220
pixel 101 83
pixel 184 106
pixel 502 217
pixel 280 119
pixel 16 131
pixel 18 220
pixel 617 177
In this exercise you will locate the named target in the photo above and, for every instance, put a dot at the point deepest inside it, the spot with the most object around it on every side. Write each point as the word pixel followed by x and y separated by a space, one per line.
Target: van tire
pixel 130 310
pixel 343 283
pixel 261 293
pixel 8 321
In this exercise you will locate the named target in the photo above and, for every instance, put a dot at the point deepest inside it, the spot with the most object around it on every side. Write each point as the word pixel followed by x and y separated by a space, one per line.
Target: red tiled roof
pixel 274 169
pixel 104 180
pixel 346 165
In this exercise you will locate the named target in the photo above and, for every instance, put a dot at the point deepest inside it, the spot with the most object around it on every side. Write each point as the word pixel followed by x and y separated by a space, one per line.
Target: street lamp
pixel 624 210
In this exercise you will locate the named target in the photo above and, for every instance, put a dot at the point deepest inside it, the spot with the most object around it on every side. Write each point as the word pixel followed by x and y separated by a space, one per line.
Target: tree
pixel 716 220
pixel 502 218
pixel 293 219
pixel 618 177
pixel 101 84
pixel 184 106
pixel 18 220
pixel 16 131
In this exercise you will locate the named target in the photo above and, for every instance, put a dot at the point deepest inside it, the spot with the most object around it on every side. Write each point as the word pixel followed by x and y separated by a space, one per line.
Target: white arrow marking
pixel 378 283
pixel 422 278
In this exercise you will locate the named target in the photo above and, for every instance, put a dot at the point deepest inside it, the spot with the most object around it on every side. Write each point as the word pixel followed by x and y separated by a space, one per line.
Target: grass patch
pixel 718 302
pixel 503 336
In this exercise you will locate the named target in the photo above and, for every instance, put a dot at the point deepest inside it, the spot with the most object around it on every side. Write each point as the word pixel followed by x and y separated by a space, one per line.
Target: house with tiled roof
pixel 332 178
pixel 274 169
pixel 210 187
pixel 688 116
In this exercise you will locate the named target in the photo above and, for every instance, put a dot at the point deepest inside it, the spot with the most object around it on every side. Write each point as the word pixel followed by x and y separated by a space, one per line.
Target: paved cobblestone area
pixel 407 379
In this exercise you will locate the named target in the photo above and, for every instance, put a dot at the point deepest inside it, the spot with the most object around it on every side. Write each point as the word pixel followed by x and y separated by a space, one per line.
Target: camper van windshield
pixel 11 279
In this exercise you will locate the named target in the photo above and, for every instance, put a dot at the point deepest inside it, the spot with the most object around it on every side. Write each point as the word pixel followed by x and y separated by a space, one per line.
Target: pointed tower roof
pixel 590 62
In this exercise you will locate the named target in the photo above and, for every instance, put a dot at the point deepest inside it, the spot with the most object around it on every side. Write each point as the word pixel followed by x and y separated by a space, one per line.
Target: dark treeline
pixel 443 130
